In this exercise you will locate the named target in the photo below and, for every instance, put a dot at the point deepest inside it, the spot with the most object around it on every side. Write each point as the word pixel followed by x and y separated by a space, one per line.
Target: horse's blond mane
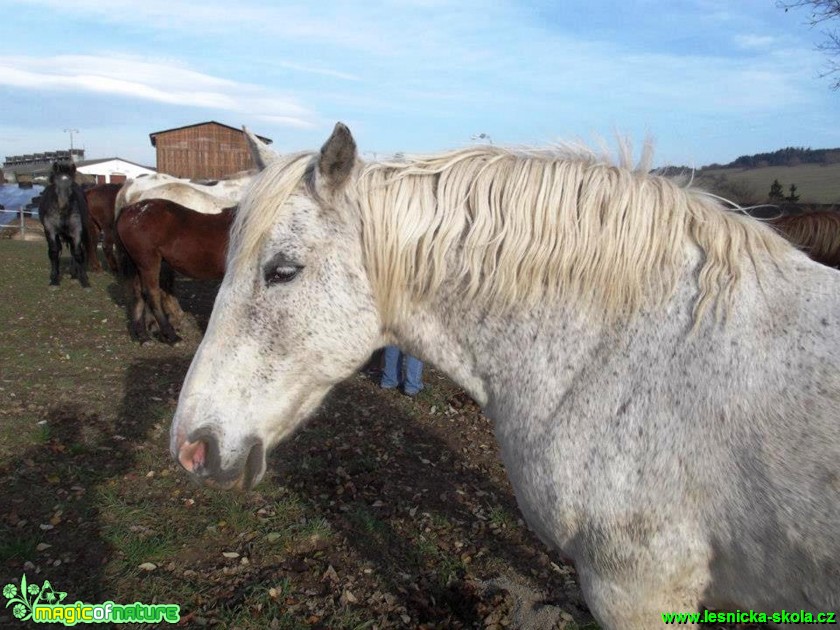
pixel 538 225
pixel 518 227
pixel 815 233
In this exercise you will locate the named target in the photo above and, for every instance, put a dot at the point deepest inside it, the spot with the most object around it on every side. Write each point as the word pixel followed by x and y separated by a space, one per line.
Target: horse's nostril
pixel 193 455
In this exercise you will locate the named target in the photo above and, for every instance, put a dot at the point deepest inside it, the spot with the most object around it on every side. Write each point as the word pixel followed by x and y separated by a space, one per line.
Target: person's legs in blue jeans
pixel 391 368
pixel 413 382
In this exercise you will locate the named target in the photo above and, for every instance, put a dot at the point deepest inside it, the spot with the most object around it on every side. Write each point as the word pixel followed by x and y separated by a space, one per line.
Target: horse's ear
pixel 260 153
pixel 338 157
pixel 72 169
pixel 55 167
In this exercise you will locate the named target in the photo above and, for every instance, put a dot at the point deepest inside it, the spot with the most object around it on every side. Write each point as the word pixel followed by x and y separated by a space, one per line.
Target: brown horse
pixel 155 235
pixel 100 200
pixel 815 233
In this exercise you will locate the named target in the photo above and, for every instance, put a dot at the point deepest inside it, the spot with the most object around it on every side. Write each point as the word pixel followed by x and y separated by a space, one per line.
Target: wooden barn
pixel 208 150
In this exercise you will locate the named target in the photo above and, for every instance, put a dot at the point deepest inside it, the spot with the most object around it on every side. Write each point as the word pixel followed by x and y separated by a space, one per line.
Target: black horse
pixel 64 214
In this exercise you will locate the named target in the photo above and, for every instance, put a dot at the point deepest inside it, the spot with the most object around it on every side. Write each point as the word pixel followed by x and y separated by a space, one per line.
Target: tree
pixel 822 11
pixel 731 189
pixel 776 191
pixel 792 197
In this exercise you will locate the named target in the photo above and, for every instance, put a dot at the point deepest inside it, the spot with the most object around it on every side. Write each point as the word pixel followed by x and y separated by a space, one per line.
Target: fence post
pixel 22 225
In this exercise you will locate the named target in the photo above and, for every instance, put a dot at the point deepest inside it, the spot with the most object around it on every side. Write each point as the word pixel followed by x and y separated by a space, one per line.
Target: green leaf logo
pixel 30 596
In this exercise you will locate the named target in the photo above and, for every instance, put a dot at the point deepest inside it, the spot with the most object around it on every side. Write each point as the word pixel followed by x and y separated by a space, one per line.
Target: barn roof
pixel 152 136
pixel 101 160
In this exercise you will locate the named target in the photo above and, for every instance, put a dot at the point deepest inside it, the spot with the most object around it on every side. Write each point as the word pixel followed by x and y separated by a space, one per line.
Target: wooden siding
pixel 202 152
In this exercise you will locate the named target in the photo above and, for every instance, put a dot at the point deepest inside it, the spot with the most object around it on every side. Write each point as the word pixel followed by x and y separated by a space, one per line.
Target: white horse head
pixel 294 316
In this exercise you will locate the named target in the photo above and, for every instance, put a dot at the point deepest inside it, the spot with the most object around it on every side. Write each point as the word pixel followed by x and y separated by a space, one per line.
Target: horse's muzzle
pixel 200 455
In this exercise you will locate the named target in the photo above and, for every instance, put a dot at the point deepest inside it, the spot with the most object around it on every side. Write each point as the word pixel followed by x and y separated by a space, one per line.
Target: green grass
pixel 231 511
pixel 22 547
pixel 54 345
pixel 350 619
pixel 814 183
pixel 135 550
pixel 501 517
pixel 368 523
pixel 112 501
pixel 42 434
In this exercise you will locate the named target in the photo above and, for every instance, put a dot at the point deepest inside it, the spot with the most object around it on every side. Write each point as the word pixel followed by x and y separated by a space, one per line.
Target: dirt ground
pixel 383 512
pixel 32 230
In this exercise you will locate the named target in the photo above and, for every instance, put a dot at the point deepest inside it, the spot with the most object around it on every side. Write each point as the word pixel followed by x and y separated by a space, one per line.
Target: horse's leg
pixel 67 238
pixel 172 308
pixel 73 267
pixel 150 278
pixel 92 242
pixel 54 251
pixel 76 234
pixel 170 302
pixel 78 250
pixel 138 326
pixel 108 247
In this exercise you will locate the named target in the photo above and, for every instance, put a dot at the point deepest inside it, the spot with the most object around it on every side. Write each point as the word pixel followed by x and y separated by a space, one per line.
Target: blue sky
pixel 709 80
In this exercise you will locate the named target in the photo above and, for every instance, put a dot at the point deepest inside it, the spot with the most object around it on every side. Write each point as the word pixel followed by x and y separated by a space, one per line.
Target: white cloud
pixel 334 24
pixel 755 41
pixel 159 81
pixel 315 70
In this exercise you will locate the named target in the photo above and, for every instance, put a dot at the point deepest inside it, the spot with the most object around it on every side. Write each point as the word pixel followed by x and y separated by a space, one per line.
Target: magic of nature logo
pixel 43 604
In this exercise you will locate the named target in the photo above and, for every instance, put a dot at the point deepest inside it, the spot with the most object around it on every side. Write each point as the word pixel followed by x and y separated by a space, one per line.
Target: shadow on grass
pixel 51 525
pixel 412 509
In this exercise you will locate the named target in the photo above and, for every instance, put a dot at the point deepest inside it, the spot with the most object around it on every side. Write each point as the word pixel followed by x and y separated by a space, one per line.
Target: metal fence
pixel 18 222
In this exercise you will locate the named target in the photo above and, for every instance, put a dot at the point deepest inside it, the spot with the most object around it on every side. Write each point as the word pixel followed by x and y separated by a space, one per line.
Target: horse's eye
pixel 282 273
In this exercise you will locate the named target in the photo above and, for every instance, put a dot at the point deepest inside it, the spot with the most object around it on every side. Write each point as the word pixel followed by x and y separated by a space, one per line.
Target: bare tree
pixel 821 12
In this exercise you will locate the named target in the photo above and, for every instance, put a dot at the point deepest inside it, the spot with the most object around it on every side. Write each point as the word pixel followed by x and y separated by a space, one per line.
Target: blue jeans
pixel 409 374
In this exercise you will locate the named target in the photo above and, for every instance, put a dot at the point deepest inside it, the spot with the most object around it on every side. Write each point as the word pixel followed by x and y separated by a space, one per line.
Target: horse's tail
pixel 120 200
pixel 125 265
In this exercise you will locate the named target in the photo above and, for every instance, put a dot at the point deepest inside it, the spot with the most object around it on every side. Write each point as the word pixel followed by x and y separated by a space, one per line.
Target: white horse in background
pixel 662 374
pixel 209 199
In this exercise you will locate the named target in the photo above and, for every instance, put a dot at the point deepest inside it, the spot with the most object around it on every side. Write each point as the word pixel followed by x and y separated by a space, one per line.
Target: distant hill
pixel 815 184
pixel 747 179
pixel 789 156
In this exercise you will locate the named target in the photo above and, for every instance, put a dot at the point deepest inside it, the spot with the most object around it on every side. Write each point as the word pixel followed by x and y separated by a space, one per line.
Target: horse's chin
pixel 244 483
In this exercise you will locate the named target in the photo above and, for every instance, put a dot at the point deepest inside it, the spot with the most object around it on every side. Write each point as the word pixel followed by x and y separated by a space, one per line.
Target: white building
pixel 112 170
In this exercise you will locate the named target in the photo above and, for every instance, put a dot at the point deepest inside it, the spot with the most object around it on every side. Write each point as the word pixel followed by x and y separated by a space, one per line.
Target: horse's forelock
pixel 262 206
pixel 62 168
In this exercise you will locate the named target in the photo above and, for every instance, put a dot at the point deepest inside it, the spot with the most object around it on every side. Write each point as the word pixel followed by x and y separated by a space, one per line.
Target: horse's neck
pixel 505 362
pixel 532 363
pixel 63 197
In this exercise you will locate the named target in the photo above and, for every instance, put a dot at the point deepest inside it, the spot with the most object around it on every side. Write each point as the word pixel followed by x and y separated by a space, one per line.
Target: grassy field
pixel 384 512
pixel 815 183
